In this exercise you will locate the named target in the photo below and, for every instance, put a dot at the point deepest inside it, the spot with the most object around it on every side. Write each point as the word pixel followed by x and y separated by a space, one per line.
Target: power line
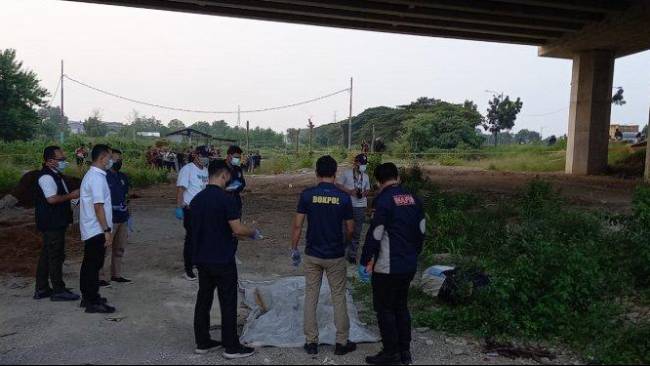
pixel 545 114
pixel 56 91
pixel 160 106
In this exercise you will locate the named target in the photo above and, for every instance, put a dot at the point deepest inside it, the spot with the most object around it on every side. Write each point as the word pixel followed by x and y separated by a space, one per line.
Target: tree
pixel 501 115
pixel 527 137
pixel 94 126
pixel 175 125
pixel 20 95
pixel 51 124
pixel 618 98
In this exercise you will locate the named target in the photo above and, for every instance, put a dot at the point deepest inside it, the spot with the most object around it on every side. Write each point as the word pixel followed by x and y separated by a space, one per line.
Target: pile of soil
pixel 25 189
pixel 631 167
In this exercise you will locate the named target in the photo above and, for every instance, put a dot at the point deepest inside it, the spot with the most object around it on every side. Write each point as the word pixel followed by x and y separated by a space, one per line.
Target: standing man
pixel 326 208
pixel 192 179
pixel 393 245
pixel 216 220
pixel 118 183
pixel 237 183
pixel 53 216
pixel 81 153
pixel 96 221
pixel 356 183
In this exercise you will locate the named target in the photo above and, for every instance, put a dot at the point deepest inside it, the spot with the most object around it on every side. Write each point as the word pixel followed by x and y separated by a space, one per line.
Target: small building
pixel 625 129
pixel 149 134
pixel 194 137
pixel 76 128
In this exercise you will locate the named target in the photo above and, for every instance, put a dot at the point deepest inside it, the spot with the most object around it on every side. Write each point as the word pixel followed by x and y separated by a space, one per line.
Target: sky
pixel 202 62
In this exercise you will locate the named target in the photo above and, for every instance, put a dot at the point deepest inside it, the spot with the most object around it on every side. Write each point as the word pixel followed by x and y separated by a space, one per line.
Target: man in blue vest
pixel 391 252
pixel 53 216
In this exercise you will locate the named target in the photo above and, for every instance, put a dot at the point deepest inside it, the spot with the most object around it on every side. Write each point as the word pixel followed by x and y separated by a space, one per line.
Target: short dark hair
pixel 50 152
pixel 386 172
pixel 326 167
pixel 217 167
pixel 99 151
pixel 234 149
pixel 116 151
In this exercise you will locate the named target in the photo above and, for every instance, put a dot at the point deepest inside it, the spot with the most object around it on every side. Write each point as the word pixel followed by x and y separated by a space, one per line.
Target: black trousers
pixel 93 262
pixel 187 246
pixel 223 278
pixel 390 299
pixel 50 264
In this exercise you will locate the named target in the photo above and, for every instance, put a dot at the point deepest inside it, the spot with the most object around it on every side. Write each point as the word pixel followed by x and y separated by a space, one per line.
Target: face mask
pixel 117 166
pixel 363 168
pixel 205 161
pixel 109 165
pixel 235 161
pixel 62 166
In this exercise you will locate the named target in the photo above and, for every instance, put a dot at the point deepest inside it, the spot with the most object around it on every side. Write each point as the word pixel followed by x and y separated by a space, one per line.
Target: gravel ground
pixel 153 324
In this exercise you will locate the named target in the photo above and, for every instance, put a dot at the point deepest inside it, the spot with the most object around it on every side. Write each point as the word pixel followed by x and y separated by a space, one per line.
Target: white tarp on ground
pixel 277 315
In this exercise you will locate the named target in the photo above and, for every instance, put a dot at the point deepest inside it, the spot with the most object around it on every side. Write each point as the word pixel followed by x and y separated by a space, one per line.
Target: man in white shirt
pixel 96 222
pixel 356 183
pixel 192 179
pixel 53 216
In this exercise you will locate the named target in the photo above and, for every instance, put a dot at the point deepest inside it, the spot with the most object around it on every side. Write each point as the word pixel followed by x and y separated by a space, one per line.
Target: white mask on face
pixel 204 161
pixel 363 168
pixel 109 164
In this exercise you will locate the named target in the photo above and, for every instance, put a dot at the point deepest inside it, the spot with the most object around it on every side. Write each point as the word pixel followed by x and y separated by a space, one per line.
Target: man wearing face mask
pixel 237 182
pixel 356 183
pixel 53 216
pixel 192 179
pixel 96 223
pixel 118 183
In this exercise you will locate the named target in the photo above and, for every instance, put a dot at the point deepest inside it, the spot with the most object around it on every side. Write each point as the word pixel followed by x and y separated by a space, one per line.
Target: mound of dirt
pixel 25 189
pixel 633 166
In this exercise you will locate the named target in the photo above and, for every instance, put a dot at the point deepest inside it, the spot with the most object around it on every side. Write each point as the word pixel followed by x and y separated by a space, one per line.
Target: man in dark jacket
pixel 393 245
pixel 53 216
pixel 237 182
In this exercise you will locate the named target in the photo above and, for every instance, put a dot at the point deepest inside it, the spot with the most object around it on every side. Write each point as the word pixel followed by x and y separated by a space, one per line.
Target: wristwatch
pixel 108 231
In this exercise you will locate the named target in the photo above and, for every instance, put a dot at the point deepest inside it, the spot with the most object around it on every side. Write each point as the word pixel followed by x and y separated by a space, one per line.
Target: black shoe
pixel 120 280
pixel 342 350
pixel 311 348
pixel 103 283
pixel 100 309
pixel 205 349
pixel 407 358
pixel 42 294
pixel 84 303
pixel 65 295
pixel 384 358
pixel 238 352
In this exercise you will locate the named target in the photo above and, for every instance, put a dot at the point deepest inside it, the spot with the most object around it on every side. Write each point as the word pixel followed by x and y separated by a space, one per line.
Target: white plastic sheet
pixel 281 325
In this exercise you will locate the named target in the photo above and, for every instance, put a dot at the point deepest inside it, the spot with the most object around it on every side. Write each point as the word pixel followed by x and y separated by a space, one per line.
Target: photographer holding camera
pixel 356 183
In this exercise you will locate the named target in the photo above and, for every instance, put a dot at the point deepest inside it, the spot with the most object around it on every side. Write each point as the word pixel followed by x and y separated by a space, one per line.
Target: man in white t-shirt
pixel 192 179
pixel 356 183
pixel 96 223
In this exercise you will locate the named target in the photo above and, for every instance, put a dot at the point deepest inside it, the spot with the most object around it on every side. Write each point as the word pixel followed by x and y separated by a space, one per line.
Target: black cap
pixel 362 159
pixel 202 151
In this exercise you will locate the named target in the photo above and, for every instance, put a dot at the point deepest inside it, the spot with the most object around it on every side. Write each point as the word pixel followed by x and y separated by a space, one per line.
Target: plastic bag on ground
pixel 277 315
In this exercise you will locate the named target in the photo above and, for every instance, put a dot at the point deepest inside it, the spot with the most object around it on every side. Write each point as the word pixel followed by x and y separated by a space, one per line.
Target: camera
pixel 359 193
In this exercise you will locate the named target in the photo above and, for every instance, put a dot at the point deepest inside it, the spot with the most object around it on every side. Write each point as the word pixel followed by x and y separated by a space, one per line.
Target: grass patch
pixel 9 177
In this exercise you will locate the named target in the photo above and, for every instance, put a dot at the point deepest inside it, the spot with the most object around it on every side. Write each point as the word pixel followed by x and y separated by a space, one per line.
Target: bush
pixel 306 162
pixel 9 177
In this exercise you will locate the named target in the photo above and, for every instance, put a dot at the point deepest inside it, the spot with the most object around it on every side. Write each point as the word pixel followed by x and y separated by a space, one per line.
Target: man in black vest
pixel 53 216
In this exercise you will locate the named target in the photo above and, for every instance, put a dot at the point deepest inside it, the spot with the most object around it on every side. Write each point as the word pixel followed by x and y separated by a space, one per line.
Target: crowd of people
pixel 210 205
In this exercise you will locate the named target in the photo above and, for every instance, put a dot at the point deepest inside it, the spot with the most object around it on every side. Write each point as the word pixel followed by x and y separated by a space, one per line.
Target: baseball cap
pixel 362 159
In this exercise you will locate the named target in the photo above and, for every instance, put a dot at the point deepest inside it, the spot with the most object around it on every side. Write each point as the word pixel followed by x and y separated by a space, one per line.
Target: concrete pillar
pixel 647 159
pixel 590 112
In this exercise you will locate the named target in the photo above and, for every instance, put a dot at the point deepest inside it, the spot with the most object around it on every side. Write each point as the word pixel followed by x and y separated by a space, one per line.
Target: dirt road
pixel 154 319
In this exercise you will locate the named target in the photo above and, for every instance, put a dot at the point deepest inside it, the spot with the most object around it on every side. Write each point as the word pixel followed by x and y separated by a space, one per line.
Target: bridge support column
pixel 647 158
pixel 590 112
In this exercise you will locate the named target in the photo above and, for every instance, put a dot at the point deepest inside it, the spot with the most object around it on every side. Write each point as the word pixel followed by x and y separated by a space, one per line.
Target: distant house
pixel 76 127
pixel 149 134
pixel 192 136
pixel 630 130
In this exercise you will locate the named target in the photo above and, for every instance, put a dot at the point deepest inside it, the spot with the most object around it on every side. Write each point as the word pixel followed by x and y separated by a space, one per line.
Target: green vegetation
pixel 558 274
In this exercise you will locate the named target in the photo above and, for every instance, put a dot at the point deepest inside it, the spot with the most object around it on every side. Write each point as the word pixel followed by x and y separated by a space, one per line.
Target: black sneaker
pixel 205 349
pixel 100 309
pixel 342 350
pixel 384 358
pixel 103 283
pixel 65 295
pixel 238 352
pixel 120 280
pixel 42 294
pixel 84 303
pixel 311 348
pixel 407 358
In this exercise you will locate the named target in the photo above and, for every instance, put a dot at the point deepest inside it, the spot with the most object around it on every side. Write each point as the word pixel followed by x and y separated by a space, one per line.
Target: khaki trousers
pixel 113 267
pixel 336 271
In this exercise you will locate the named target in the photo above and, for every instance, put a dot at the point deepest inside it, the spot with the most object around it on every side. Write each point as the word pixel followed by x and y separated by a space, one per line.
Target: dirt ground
pixel 154 319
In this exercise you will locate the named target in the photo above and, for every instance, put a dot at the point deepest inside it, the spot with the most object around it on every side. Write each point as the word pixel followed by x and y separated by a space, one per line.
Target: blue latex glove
pixel 364 276
pixel 257 235
pixel 296 258
pixel 179 213
pixel 233 186
pixel 129 224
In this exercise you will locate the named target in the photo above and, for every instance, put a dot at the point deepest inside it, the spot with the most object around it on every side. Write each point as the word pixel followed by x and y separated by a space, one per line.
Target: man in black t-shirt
pixel 216 221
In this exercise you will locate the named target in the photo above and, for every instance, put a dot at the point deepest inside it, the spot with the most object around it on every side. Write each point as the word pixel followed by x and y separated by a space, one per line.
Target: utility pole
pixel 310 125
pixel 647 152
pixel 350 117
pixel 62 122
pixel 248 141
pixel 297 142
pixel 238 116
pixel 372 143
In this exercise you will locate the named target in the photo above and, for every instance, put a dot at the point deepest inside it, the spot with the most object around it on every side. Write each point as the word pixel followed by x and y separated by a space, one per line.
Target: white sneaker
pixel 190 278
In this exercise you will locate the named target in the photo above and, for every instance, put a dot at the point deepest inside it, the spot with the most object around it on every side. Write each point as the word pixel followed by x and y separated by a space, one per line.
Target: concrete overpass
pixel 593 33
